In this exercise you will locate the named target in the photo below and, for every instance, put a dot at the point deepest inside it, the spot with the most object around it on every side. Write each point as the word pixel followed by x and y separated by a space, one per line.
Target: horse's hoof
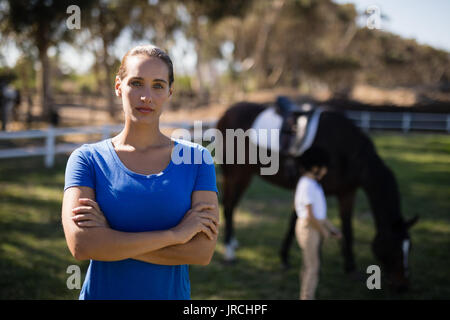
pixel 230 251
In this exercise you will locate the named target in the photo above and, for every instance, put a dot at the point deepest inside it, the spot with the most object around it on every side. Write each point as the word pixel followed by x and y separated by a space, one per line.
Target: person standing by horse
pixel 312 225
pixel 130 207
pixel 9 101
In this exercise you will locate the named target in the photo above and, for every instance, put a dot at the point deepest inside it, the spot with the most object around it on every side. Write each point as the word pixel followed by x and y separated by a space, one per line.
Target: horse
pixel 354 163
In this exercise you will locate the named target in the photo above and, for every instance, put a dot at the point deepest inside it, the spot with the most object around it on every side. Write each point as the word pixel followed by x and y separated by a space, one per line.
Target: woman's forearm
pixel 199 250
pixel 105 244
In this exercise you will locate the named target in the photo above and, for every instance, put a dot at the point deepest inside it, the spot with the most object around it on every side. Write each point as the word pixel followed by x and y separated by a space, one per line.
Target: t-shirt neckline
pixel 135 174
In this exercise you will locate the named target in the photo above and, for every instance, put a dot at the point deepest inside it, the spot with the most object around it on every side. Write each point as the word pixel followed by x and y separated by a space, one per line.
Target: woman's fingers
pixel 82 209
pixel 210 224
pixel 81 217
pixel 206 230
pixel 207 215
pixel 89 202
pixel 87 209
pixel 89 223
pixel 202 206
pixel 90 206
pixel 88 216
pixel 211 216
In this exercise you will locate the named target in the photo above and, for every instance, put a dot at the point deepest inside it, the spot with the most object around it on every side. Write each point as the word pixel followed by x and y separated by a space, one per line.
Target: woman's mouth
pixel 145 110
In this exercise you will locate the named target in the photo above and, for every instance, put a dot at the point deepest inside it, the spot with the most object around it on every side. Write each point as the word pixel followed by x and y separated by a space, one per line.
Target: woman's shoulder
pixel 89 149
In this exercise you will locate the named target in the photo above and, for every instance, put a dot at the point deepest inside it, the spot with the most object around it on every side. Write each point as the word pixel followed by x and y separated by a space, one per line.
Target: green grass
pixel 34 256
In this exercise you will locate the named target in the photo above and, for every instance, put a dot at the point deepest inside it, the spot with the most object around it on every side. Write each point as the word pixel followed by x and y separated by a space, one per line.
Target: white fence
pixel 51 148
pixel 364 119
pixel 404 121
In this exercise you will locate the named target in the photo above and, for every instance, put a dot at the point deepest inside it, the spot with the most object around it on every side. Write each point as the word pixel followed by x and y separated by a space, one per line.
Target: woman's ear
pixel 117 87
pixel 170 91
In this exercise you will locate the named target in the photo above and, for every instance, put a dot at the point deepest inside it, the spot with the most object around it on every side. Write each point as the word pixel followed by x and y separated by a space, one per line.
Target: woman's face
pixel 145 89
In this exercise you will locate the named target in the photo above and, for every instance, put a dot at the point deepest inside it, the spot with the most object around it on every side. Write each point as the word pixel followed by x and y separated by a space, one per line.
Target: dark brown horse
pixel 354 163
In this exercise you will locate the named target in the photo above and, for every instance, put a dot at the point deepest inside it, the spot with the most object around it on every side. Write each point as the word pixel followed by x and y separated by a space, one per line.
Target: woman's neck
pixel 141 137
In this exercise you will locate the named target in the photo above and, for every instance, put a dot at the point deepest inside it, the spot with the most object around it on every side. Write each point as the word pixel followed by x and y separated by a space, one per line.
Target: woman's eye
pixel 158 86
pixel 136 83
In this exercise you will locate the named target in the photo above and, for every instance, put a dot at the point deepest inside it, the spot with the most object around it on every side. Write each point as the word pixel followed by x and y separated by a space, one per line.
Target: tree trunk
pixel 268 22
pixel 106 41
pixel 107 83
pixel 45 89
pixel 199 84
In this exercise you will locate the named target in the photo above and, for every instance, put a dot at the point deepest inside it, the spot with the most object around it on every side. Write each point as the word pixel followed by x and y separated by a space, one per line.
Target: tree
pixel 43 24
pixel 204 16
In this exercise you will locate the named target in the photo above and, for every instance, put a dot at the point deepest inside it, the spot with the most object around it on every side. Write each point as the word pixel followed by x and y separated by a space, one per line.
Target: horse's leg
pixel 286 245
pixel 346 203
pixel 235 183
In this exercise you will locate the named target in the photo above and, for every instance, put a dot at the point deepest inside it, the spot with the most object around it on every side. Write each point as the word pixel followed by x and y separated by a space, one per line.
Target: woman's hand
pixel 89 214
pixel 199 218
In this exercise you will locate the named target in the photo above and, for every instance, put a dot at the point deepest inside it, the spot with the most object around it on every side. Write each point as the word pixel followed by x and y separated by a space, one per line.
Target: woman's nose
pixel 146 98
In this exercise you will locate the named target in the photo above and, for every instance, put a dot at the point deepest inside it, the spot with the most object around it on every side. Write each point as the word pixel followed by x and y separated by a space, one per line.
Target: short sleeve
pixel 79 172
pixel 206 174
pixel 304 194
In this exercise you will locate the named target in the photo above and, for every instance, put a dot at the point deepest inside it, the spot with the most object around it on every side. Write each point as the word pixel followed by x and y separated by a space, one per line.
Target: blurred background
pixel 385 62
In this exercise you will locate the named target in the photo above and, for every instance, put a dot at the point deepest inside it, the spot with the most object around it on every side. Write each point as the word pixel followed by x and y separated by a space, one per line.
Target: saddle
pixel 295 125
pixel 295 119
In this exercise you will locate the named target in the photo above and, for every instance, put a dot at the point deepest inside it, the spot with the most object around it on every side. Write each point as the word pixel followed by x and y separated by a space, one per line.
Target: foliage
pixel 274 42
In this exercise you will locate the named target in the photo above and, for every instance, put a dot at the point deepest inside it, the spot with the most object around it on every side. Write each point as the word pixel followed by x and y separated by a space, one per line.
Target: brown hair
pixel 150 51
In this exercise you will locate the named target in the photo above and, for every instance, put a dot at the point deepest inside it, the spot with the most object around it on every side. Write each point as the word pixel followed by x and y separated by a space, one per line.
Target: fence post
pixel 406 121
pixel 50 148
pixel 365 120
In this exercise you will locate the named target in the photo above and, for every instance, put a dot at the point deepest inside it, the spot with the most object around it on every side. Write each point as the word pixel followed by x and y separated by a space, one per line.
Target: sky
pixel 426 21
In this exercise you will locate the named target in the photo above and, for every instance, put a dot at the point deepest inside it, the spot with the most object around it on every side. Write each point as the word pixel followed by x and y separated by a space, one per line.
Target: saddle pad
pixel 266 125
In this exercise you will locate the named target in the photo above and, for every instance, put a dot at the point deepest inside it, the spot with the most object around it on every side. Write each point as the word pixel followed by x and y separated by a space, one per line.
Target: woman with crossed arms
pixel 139 216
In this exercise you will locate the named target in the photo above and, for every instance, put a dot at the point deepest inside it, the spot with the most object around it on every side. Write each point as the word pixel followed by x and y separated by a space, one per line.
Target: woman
pixel 139 217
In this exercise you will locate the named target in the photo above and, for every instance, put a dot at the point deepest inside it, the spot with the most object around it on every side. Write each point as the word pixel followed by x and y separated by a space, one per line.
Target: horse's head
pixel 392 248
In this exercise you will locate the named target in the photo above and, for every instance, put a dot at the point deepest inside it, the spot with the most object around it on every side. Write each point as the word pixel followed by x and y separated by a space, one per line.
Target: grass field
pixel 34 256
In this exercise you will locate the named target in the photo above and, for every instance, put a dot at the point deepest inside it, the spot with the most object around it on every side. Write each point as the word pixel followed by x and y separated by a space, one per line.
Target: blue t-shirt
pixel 133 202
